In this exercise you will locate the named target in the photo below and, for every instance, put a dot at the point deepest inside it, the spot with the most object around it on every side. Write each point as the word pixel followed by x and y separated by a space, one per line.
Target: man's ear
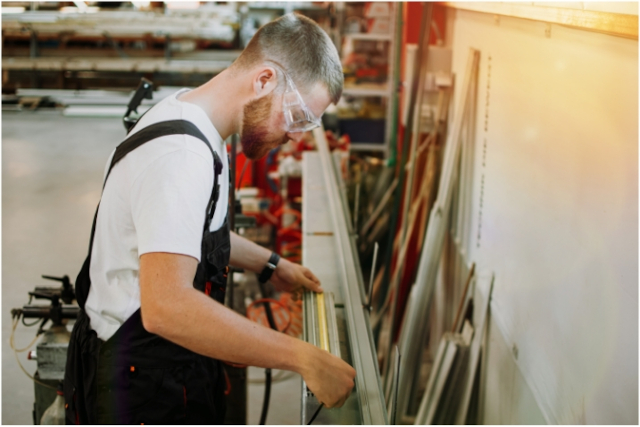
pixel 265 81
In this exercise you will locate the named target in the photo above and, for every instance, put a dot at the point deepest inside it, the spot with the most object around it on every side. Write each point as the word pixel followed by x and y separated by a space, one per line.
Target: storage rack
pixel 384 90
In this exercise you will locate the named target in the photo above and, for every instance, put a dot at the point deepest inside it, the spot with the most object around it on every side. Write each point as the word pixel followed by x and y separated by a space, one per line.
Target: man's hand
pixel 294 278
pixel 328 377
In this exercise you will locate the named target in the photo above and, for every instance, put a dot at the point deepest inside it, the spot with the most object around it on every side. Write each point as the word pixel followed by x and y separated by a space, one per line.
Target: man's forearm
pixel 207 327
pixel 247 254
pixel 173 309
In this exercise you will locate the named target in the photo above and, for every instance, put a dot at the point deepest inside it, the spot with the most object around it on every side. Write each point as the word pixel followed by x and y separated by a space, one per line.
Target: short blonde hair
pixel 304 50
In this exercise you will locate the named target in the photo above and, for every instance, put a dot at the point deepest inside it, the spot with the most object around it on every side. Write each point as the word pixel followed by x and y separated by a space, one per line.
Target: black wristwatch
pixel 268 269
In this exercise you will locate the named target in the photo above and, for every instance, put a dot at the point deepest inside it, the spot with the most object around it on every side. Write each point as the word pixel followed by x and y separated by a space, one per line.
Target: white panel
pixel 561 4
pixel 555 209
pixel 507 398
pixel 624 7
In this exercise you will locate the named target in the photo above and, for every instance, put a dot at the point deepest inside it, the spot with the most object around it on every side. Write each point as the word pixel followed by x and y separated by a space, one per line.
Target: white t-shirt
pixel 154 201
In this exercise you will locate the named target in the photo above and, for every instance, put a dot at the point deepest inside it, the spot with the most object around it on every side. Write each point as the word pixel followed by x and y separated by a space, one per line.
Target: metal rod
pixel 466 173
pixel 396 369
pixel 392 140
pixel 332 325
pixel 313 318
pixel 378 210
pixel 356 209
pixel 391 128
pixel 372 275
pixel 464 297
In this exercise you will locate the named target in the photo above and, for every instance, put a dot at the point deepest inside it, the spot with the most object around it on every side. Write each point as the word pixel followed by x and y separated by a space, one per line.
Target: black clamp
pixel 268 269
pixel 143 91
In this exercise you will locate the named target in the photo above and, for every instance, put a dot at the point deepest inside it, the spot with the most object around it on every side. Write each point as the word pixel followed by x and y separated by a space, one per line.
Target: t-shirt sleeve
pixel 168 201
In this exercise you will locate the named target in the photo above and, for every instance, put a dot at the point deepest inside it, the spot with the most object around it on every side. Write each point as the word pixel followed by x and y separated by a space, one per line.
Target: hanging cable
pixel 16 351
pixel 267 396
pixel 267 384
pixel 28 325
pixel 316 414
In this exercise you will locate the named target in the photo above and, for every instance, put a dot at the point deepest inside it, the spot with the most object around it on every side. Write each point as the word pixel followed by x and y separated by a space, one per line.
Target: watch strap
pixel 269 268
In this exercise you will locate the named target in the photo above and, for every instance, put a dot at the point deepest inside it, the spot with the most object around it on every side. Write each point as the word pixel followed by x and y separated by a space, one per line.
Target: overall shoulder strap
pixel 170 127
pixel 149 133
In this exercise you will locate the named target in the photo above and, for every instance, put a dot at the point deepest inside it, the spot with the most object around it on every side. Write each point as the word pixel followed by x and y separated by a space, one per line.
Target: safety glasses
pixel 298 117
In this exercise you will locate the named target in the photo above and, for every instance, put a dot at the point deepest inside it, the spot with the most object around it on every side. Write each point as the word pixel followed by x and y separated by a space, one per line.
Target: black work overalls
pixel 137 377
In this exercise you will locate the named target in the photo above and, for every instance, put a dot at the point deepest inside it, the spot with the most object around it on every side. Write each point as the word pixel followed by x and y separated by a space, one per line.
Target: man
pixel 146 346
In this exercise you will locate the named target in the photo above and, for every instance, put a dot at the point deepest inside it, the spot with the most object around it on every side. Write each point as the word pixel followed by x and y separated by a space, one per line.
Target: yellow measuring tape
pixel 322 322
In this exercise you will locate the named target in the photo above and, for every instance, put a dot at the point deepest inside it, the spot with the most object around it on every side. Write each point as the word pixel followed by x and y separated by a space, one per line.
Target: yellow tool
pixel 322 322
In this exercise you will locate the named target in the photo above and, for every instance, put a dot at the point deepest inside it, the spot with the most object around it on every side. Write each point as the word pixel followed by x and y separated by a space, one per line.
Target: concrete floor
pixel 52 170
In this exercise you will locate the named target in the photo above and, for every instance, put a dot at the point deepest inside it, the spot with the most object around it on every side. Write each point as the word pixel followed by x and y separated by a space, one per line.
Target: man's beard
pixel 255 138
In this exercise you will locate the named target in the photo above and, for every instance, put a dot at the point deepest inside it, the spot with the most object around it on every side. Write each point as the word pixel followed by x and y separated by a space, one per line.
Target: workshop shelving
pixel 380 41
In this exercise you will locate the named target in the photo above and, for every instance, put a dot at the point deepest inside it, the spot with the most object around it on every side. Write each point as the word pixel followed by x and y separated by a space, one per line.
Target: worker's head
pixel 295 73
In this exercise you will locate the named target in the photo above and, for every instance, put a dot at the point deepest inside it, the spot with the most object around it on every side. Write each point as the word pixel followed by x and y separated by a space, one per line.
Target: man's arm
pixel 288 276
pixel 247 254
pixel 172 308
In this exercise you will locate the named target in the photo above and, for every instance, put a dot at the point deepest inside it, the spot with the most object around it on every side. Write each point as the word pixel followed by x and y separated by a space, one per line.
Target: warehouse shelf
pixel 114 64
pixel 285 5
pixel 385 90
pixel 217 24
pixel 367 89
pixel 368 36
pixel 363 146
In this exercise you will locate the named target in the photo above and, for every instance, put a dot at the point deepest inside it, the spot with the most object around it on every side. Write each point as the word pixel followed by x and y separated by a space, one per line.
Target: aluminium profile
pixel 332 325
pixel 368 385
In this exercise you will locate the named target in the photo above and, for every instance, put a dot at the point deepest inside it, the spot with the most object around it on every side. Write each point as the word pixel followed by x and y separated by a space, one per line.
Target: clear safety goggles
pixel 297 115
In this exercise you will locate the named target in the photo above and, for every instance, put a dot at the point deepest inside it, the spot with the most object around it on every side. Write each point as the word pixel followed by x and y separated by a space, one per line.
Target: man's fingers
pixel 313 286
pixel 309 275
pixel 338 403
pixel 312 281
